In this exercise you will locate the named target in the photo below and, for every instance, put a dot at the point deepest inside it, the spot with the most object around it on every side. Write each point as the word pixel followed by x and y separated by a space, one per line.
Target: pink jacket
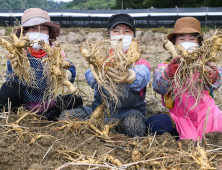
pixel 190 123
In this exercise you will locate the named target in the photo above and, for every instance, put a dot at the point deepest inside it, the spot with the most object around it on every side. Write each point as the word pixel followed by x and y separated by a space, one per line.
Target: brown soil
pixel 58 147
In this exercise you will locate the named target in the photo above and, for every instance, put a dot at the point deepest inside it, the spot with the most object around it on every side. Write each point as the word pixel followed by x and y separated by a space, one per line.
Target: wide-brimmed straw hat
pixel 185 25
pixel 37 16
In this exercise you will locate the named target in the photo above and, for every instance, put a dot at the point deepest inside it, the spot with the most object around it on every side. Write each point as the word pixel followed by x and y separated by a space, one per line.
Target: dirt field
pixel 57 147
pixel 75 146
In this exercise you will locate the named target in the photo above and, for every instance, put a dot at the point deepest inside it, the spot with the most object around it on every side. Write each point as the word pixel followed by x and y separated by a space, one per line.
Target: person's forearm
pixel 142 78
pixel 218 82
pixel 161 84
pixel 72 69
pixel 90 79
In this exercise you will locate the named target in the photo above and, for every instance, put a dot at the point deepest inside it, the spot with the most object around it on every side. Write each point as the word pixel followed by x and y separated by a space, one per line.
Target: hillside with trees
pixel 90 4
pixel 106 4
pixel 24 4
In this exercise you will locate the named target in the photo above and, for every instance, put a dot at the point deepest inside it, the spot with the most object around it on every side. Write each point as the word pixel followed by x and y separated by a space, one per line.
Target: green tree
pixel 90 4
pixel 24 4
pixel 5 5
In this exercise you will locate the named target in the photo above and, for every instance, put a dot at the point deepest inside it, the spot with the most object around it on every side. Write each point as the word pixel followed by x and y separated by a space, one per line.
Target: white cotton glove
pixel 13 61
pixel 122 77
pixel 68 75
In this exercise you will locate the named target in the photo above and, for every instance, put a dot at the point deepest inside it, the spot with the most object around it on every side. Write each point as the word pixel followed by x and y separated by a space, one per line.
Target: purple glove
pixel 172 67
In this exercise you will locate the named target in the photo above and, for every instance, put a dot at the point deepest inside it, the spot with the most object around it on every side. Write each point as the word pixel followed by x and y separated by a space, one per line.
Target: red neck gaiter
pixel 37 54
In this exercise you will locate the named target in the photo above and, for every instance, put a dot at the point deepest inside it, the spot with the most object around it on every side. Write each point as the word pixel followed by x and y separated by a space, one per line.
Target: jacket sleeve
pixel 218 83
pixel 72 69
pixel 90 79
pixel 142 77
pixel 9 67
pixel 160 84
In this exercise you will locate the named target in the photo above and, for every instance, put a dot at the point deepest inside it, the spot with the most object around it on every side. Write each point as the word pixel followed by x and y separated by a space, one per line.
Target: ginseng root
pixel 170 47
pixel 58 66
pixel 70 87
pixel 97 112
pixel 114 160
pixel 21 64
pixel 201 156
pixel 214 49
pixel 182 51
pixel 35 138
pixel 133 54
pixel 136 156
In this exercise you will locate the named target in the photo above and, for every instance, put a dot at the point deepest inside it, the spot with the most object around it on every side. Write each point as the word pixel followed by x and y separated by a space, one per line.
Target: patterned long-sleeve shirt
pixel 162 85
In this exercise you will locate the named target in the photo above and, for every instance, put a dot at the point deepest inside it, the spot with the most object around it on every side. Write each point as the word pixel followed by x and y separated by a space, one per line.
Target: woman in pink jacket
pixel 182 120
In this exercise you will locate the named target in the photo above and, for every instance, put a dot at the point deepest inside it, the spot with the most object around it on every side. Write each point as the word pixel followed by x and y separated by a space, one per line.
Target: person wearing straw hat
pixel 132 109
pixel 37 25
pixel 180 120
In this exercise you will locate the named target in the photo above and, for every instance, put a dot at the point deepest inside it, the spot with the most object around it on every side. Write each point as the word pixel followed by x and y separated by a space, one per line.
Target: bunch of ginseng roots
pixel 55 69
pixel 192 76
pixel 16 48
pixel 100 55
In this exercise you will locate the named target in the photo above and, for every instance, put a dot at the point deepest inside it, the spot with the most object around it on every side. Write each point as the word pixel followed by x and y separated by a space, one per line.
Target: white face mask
pixel 36 36
pixel 126 40
pixel 189 46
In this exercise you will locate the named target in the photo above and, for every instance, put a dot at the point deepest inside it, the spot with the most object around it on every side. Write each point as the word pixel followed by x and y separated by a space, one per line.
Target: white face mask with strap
pixel 36 36
pixel 126 40
pixel 189 46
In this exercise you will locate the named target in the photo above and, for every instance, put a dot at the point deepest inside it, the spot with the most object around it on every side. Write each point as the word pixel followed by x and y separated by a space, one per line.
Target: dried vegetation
pixel 28 141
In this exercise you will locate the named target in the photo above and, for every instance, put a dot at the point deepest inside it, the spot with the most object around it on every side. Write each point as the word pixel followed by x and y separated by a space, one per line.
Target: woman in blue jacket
pixel 132 108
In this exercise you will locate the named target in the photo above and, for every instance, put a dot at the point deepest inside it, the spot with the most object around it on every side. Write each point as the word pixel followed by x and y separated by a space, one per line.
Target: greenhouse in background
pixel 144 18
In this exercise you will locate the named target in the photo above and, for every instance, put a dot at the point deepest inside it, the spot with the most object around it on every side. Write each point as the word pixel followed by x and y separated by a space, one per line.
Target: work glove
pixel 172 67
pixel 122 77
pixel 212 71
pixel 68 76
pixel 13 61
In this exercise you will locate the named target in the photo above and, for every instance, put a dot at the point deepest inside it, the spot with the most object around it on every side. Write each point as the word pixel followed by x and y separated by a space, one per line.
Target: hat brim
pixel 122 22
pixel 55 28
pixel 186 30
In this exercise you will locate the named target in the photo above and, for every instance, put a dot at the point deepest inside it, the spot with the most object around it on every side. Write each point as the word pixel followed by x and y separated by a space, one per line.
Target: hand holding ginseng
pixel 172 67
pixel 212 71
pixel 122 77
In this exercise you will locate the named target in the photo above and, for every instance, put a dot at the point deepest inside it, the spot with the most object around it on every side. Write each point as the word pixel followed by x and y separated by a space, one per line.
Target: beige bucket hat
pixel 37 16
pixel 185 25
